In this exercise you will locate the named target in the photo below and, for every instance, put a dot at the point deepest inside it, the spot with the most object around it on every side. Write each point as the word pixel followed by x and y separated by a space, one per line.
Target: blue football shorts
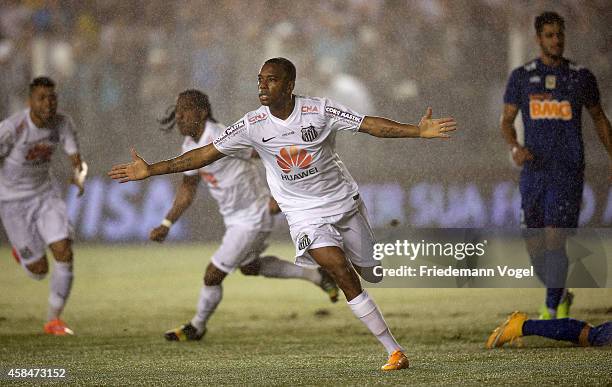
pixel 550 199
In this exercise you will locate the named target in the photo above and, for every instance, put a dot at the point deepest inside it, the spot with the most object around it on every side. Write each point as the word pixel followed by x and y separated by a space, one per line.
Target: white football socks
pixel 59 288
pixel 210 297
pixel 273 267
pixel 366 310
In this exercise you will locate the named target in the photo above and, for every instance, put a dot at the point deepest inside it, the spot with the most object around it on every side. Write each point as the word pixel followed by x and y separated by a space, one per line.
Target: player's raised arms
pixel 138 169
pixel 427 127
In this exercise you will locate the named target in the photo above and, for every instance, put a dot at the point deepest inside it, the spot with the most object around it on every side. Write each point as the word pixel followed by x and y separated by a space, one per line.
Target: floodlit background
pixel 120 64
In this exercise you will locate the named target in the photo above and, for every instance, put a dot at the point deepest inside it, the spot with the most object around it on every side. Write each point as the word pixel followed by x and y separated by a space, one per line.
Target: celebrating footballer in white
pixel 32 211
pixel 295 138
pixel 307 178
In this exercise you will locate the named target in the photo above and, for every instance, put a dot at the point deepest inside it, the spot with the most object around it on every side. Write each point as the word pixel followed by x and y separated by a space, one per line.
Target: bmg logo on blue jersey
pixel 541 108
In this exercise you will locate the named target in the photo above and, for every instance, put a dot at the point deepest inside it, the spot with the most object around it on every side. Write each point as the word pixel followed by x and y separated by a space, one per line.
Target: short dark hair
pixel 199 99
pixel 548 18
pixel 41 82
pixel 286 64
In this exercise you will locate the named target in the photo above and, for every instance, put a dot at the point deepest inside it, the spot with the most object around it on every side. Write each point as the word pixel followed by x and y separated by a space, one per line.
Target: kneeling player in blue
pixel 246 207
pixel 550 92
pixel 565 329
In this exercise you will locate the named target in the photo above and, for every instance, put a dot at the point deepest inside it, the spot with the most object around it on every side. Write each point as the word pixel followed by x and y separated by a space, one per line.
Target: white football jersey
pixel 233 182
pixel 303 170
pixel 25 153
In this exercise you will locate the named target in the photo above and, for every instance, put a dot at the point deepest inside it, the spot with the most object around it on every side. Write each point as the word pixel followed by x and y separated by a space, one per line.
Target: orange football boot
pixel 397 361
pixel 58 328
pixel 509 332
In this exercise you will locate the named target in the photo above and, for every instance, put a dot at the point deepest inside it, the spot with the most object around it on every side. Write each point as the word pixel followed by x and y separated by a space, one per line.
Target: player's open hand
pixel 520 155
pixel 159 233
pixel 138 169
pixel 79 173
pixel 436 127
pixel 78 179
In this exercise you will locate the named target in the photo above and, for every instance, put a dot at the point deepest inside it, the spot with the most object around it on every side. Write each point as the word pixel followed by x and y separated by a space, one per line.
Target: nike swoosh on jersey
pixel 267 139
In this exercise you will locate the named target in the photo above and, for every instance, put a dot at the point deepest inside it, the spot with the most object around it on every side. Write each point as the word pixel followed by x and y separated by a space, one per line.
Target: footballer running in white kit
pixel 33 213
pixel 246 207
pixel 295 138
pixel 242 198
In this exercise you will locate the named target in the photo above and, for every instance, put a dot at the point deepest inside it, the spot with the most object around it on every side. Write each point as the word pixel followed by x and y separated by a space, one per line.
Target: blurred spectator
pixel 343 87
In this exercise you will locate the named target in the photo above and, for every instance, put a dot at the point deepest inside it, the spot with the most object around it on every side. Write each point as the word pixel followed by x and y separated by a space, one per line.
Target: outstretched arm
pixel 138 169
pixel 520 154
pixel 428 127
pixel 183 199
pixel 603 128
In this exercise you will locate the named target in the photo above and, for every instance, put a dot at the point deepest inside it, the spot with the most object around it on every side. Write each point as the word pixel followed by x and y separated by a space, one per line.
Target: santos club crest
pixel 309 134
pixel 303 242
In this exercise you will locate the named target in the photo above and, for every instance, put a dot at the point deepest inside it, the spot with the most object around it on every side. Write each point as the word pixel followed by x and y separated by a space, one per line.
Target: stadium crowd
pixel 122 62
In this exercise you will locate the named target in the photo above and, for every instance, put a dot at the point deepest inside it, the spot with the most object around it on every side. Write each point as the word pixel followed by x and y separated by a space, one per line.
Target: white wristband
pixel 166 223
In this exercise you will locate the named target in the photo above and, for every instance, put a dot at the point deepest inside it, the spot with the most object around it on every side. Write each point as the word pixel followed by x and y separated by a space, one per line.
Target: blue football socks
pixel 539 266
pixel 569 329
pixel 566 329
pixel 556 274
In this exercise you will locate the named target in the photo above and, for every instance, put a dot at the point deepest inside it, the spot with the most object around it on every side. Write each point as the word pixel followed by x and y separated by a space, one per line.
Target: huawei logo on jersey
pixel 547 109
pixel 294 156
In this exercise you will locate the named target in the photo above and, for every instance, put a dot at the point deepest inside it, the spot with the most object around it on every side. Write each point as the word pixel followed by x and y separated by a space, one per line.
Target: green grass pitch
pixel 273 332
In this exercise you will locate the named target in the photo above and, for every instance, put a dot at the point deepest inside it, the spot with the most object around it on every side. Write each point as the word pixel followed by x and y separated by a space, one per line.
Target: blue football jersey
pixel 550 100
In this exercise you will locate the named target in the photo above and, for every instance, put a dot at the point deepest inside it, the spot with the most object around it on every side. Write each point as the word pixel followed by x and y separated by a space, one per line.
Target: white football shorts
pixel 35 222
pixel 350 231
pixel 242 244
